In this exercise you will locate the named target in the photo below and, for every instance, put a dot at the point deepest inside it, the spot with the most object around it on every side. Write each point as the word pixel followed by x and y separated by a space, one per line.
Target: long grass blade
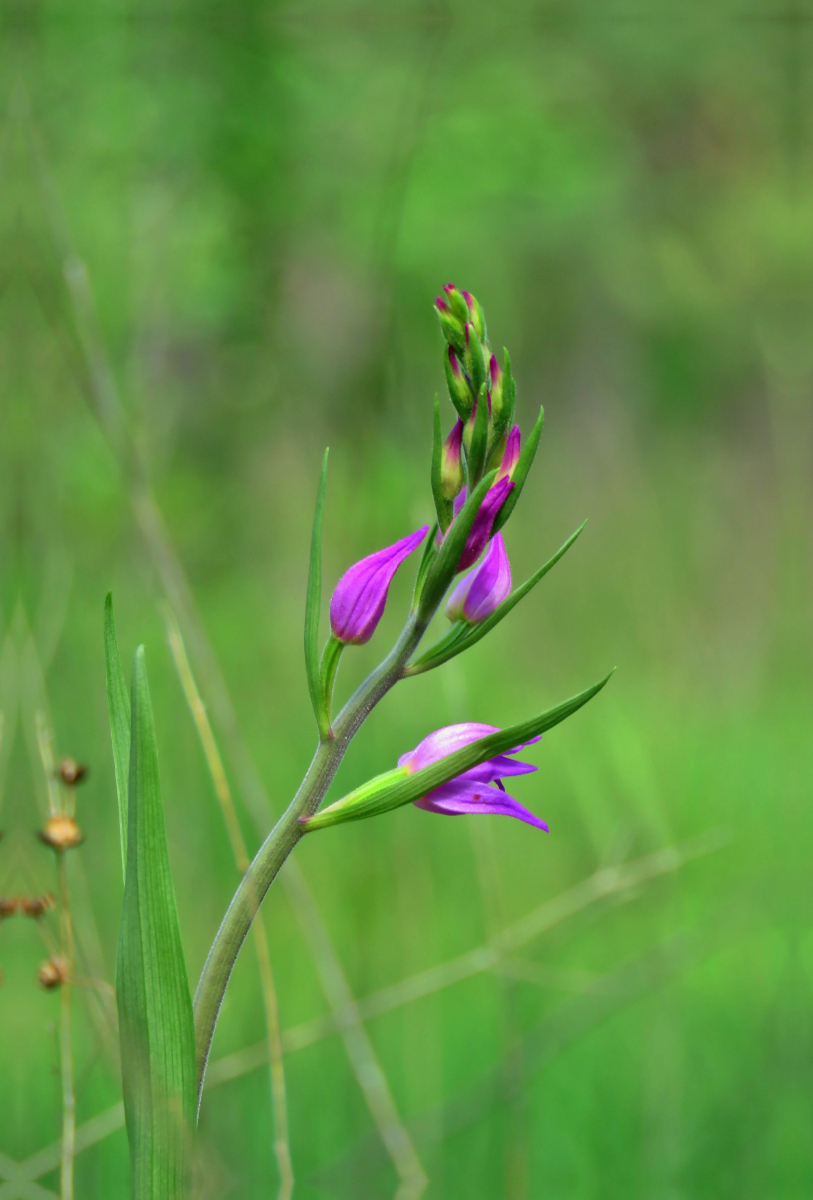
pixel 154 1004
pixel 118 705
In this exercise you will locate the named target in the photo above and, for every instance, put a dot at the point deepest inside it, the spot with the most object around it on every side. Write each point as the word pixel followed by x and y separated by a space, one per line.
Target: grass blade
pixel 312 613
pixel 118 705
pixel 155 1008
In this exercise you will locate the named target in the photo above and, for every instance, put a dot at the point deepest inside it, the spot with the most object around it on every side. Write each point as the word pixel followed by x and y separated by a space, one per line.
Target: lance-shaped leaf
pixel 156 1029
pixel 462 635
pixel 312 604
pixel 479 439
pixel 520 474
pixel 502 422
pixel 429 555
pixel 399 787
pixel 443 506
pixel 118 705
pixel 443 568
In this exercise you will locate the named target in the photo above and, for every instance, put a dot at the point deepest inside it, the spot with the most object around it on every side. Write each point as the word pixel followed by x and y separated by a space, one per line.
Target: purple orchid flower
pixel 471 792
pixel 483 589
pixel 358 602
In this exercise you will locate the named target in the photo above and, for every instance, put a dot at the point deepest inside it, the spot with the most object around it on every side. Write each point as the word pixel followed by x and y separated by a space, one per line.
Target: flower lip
pixel 483 589
pixel 358 602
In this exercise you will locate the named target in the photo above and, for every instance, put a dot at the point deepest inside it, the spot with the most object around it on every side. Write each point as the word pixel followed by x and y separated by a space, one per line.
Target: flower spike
pixel 358 602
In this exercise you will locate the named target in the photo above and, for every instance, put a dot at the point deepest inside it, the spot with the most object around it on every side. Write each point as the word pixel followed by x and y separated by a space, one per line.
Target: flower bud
pixel 452 475
pixel 483 589
pixel 457 302
pixel 510 456
pixel 495 388
pixel 61 832
pixel 451 325
pixel 52 973
pixel 36 906
pixel 475 315
pixel 458 384
pixel 71 772
pixel 357 604
pixel 480 531
pixel 474 359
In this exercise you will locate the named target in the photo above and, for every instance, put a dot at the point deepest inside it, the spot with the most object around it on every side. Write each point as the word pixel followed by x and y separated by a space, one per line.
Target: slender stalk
pixel 65 1036
pixel 284 836
pixel 282 1146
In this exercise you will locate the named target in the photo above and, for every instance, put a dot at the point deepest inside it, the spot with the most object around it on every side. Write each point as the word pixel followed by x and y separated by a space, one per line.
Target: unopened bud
pixel 458 384
pixel 452 476
pixel 510 456
pixel 52 973
pixel 475 315
pixel 71 772
pixel 457 302
pixel 474 358
pixel 495 387
pixel 61 832
pixel 451 325
pixel 36 906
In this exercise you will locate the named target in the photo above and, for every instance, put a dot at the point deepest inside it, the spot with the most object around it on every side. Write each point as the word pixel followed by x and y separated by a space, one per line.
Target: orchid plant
pixel 477 475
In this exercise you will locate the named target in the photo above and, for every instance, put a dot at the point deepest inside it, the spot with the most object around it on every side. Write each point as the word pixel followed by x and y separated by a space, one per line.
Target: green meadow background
pixel 222 227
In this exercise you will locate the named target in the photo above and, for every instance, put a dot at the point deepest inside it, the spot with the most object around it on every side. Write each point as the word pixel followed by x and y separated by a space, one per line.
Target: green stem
pixel 284 836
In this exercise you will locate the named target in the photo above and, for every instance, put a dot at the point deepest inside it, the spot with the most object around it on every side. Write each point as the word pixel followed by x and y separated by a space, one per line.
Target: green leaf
pixel 526 458
pixel 479 439
pixel 156 1029
pixel 462 635
pixel 314 599
pixel 396 788
pixel 118 705
pixel 444 566
pixel 443 507
pixel 430 551
pixel 502 423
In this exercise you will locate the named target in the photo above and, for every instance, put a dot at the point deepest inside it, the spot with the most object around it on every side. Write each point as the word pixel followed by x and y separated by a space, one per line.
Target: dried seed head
pixel 61 832
pixel 9 905
pixel 71 772
pixel 35 906
pixel 52 973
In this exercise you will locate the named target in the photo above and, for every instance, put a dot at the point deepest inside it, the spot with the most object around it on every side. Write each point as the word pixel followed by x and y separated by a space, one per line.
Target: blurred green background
pixel 266 199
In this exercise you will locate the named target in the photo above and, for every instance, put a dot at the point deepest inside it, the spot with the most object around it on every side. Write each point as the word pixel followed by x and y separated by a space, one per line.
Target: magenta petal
pixel 510 456
pixel 443 742
pixel 459 797
pixel 483 589
pixel 358 601
pixel 480 531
